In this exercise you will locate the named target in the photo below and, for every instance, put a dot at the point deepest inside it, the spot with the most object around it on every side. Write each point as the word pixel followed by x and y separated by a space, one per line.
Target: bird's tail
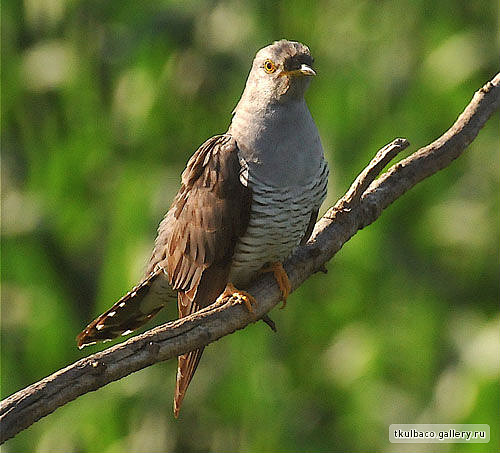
pixel 133 310
pixel 187 364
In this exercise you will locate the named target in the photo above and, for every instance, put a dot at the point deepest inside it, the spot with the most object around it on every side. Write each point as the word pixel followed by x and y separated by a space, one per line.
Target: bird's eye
pixel 269 66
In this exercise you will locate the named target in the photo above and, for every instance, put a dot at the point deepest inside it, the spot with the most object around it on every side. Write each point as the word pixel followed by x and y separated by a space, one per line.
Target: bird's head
pixel 281 71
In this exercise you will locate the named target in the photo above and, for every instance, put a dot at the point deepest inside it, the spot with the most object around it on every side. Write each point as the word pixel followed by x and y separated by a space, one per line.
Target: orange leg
pixel 281 278
pixel 241 297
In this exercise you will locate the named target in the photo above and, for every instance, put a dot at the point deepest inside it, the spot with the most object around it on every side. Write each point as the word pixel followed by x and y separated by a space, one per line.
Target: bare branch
pixel 362 205
pixel 368 175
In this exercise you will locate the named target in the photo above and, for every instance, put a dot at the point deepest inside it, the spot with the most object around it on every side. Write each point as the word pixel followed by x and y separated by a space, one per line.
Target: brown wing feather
pixel 209 213
pixel 196 239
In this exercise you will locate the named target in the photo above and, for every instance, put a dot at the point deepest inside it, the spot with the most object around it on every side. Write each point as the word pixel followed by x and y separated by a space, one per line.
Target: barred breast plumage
pixel 279 218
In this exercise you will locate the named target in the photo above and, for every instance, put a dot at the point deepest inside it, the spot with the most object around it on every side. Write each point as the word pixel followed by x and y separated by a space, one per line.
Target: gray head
pixel 280 72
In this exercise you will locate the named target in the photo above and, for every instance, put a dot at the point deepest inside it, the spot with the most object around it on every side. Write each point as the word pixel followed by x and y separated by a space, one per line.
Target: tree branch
pixel 361 205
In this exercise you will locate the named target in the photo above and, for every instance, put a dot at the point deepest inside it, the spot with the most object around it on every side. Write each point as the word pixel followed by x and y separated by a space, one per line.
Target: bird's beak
pixel 303 71
pixel 307 70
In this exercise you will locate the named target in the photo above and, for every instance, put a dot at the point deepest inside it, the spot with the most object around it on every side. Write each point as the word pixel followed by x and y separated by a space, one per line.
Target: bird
pixel 248 199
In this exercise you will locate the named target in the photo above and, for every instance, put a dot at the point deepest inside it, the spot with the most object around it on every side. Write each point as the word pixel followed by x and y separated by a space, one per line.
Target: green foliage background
pixel 102 105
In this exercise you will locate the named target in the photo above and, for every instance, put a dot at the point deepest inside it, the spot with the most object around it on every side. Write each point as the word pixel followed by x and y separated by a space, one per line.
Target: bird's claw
pixel 239 296
pixel 281 278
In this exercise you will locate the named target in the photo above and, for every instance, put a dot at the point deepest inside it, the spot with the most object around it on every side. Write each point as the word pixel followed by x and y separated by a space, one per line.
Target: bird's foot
pixel 239 296
pixel 281 278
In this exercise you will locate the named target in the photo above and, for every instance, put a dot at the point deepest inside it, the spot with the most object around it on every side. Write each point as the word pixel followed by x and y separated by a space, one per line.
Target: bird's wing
pixel 211 211
pixel 196 239
pixel 194 246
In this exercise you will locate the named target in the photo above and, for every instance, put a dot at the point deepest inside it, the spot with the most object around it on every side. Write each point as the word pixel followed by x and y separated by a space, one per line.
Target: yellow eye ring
pixel 269 66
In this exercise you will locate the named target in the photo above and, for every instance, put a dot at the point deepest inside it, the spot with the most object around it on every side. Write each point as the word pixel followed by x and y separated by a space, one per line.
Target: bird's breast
pixel 279 145
pixel 279 218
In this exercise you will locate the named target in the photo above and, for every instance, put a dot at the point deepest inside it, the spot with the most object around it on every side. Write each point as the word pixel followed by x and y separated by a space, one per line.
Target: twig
pixel 368 175
pixel 362 204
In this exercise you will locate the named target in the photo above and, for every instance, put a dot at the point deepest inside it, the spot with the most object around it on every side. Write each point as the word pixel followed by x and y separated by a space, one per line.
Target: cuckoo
pixel 247 199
